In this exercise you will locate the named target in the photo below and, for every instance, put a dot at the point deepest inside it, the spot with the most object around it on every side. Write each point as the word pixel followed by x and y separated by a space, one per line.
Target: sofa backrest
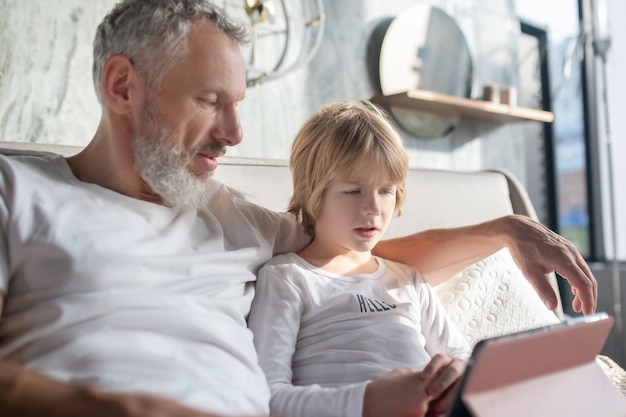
pixel 435 198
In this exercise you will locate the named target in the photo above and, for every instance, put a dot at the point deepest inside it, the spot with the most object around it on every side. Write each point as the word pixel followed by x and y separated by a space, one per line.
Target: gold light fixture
pixel 260 10
pixel 285 35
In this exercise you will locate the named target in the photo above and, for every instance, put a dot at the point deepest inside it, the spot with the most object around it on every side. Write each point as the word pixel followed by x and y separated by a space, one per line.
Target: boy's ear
pixel 121 84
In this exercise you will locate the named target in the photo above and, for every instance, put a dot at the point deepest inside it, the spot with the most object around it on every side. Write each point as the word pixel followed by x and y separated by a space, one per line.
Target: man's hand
pixel 404 393
pixel 539 251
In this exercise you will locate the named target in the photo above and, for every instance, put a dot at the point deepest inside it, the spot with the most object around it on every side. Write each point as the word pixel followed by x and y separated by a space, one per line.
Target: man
pixel 127 269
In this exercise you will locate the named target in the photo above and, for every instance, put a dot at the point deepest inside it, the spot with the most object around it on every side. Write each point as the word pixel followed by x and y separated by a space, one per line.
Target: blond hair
pixel 341 138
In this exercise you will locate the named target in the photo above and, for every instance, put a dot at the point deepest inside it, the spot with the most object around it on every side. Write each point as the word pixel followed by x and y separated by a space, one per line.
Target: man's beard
pixel 163 166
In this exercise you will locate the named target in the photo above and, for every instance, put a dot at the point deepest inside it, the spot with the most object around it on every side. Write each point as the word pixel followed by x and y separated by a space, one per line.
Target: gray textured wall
pixel 46 93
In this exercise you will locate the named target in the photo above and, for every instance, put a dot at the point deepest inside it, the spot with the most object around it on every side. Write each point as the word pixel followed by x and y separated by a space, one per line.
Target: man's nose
pixel 229 130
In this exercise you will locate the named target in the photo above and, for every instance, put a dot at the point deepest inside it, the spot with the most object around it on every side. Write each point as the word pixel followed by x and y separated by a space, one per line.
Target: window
pixel 568 161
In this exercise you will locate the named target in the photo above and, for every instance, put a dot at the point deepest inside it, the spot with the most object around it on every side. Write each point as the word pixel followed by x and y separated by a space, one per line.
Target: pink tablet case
pixel 546 373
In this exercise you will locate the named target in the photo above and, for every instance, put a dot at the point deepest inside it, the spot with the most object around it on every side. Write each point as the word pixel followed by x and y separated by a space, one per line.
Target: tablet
pixel 547 371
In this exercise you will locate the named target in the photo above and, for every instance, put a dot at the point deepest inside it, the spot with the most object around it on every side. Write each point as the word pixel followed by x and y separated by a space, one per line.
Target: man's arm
pixel 27 393
pixel 441 253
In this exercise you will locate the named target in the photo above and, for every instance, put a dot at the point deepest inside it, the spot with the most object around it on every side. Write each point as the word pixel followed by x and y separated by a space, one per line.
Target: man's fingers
pixel 578 275
pixel 538 280
pixel 589 300
pixel 584 287
pixel 539 251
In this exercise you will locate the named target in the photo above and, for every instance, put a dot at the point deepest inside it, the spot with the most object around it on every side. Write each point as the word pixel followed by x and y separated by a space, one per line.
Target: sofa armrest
pixel 520 200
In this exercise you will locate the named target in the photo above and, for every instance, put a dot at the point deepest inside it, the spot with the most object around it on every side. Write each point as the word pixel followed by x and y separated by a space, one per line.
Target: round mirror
pixel 422 48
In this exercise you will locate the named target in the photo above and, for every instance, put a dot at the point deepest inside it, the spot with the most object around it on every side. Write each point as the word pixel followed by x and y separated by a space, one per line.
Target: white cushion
pixel 491 298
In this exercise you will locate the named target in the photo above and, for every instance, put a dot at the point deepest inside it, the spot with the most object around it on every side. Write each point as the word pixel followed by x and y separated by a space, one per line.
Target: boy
pixel 333 317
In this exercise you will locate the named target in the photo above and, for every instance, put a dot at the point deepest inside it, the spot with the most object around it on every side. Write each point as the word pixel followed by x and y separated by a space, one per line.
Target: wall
pixel 46 93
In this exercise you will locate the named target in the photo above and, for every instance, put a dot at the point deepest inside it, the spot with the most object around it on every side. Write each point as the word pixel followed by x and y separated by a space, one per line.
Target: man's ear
pixel 121 84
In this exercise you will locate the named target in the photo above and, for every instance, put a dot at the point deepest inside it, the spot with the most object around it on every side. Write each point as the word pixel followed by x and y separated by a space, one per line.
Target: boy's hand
pixel 443 372
pixel 404 393
pixel 399 393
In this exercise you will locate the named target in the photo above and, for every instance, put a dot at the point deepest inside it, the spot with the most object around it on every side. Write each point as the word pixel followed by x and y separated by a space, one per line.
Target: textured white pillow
pixel 491 298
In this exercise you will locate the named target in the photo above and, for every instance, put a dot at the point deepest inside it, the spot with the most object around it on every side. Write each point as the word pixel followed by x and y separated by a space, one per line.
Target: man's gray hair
pixel 153 34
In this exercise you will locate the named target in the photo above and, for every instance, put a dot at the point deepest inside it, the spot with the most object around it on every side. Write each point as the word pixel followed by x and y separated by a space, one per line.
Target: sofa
pixel 487 299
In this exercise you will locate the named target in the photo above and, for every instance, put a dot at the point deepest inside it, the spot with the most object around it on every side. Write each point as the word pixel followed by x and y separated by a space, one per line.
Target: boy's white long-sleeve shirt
pixel 321 337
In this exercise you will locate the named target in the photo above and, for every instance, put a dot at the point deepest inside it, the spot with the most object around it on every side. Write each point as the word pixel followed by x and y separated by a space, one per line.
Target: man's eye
pixel 211 103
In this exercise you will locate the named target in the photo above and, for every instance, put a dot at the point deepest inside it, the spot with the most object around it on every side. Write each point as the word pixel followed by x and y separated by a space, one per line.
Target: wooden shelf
pixel 423 101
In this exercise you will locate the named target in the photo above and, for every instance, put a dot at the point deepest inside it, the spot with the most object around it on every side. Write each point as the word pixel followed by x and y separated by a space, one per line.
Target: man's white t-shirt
pixel 322 337
pixel 132 296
